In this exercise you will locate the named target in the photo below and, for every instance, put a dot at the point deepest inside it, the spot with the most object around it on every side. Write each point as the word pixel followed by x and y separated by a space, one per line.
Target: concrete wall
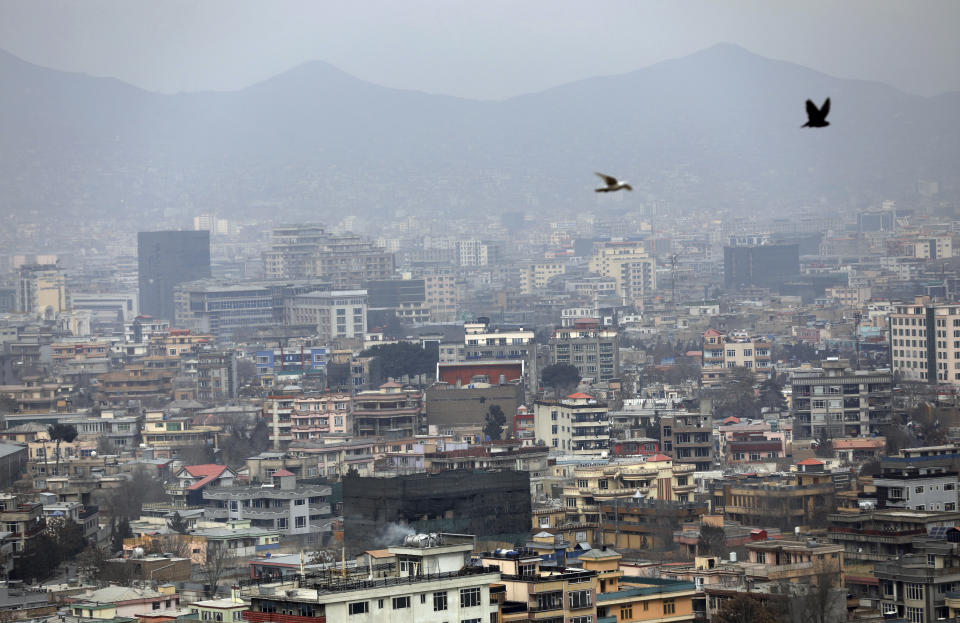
pixel 456 407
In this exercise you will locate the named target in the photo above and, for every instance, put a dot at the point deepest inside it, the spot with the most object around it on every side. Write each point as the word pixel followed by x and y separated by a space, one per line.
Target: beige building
pixel 42 290
pixel 577 423
pixel 925 341
pixel 722 352
pixel 849 296
pixel 336 314
pixel 656 478
pixel 628 263
pixel 441 297
pixel 537 274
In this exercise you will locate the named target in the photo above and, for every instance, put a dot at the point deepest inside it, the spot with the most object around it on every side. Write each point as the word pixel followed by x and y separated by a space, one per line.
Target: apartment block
pixel 336 314
pixel 536 275
pixel 688 438
pixel 577 424
pixel 837 401
pixel 925 341
pixel 593 350
pixel 723 351
pixel 633 270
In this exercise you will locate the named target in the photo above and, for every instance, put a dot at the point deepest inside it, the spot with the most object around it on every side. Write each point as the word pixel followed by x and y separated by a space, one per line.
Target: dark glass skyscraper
pixel 165 259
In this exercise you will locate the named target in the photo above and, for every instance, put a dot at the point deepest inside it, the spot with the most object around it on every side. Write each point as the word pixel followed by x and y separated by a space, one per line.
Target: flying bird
pixel 612 184
pixel 817 117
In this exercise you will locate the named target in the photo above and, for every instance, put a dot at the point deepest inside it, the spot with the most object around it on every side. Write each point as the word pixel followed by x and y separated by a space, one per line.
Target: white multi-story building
pixel 722 352
pixel 430 582
pixel 628 263
pixel 577 423
pixel 284 505
pixel 925 341
pixel 336 314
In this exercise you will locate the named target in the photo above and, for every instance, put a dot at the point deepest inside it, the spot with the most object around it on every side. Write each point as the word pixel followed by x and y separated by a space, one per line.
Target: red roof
pixel 207 473
pixel 660 457
pixel 283 472
pixel 810 462
pixel 732 420
pixel 580 396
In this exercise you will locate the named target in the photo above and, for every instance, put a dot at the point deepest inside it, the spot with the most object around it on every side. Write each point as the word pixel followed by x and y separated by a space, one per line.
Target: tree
pixel 495 419
pixel 560 376
pixel 177 523
pixel 218 559
pixel 128 499
pixel 91 564
pixel 736 396
pixel 59 433
pixel 712 541
pixel 404 359
pixel 105 446
pixel 338 375
pixel 817 603
pixel 745 608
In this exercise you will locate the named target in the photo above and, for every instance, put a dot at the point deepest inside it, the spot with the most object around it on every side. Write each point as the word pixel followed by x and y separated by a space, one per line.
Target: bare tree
pixel 822 602
pixel 218 561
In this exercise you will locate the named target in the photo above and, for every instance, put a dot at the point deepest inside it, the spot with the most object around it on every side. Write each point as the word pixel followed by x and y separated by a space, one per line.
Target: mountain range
pixel 719 129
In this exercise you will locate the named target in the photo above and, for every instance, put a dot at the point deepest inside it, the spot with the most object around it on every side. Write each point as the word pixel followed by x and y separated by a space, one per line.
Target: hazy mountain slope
pixel 718 128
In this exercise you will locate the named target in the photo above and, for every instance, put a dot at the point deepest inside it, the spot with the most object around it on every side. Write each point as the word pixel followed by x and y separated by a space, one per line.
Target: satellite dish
pixel 93 453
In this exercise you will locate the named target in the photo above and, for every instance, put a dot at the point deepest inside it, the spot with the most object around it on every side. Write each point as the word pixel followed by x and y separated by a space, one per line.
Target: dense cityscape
pixel 245 378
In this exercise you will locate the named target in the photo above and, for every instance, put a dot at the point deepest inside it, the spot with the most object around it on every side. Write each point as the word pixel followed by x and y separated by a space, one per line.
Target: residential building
pixel 316 416
pixel 23 519
pixel 348 261
pixel 802 498
pixel 294 359
pixel 837 401
pixel 809 563
pixel 293 250
pixel 722 352
pixel 483 342
pixel 285 505
pixel 336 314
pixel 536 275
pixel 223 310
pixel 224 609
pixel 390 411
pixel 925 341
pixel 166 259
pixel 173 432
pixel 192 480
pixel 644 524
pixel 441 296
pixel 429 583
pixel 403 298
pixel 593 350
pixel 42 290
pixel 216 376
pixel 577 424
pixel 633 270
pixel 656 478
pixel 688 438
pixel 924 488
pixel 917 588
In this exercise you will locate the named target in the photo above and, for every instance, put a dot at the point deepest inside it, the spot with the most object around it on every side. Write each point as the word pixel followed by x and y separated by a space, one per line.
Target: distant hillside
pixel 719 128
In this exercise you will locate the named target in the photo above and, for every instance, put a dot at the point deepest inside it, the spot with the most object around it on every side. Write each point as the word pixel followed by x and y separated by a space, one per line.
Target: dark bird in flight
pixel 612 184
pixel 817 117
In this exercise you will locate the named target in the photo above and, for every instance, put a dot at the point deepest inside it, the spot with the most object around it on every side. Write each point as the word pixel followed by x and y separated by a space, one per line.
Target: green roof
pixel 660 586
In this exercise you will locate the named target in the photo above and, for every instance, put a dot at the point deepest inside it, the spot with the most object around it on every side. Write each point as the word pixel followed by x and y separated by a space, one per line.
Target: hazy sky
pixel 476 48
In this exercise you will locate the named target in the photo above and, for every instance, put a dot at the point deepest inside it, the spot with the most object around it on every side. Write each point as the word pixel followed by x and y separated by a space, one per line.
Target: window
pixel 915 615
pixel 476 620
pixel 580 599
pixel 358 607
pixel 626 611
pixel 913 592
pixel 301 522
pixel 440 601
pixel 469 597
pixel 669 606
pixel 401 602
pixel 584 619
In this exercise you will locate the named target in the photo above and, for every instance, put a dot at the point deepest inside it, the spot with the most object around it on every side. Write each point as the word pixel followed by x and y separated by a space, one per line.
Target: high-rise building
pixel 765 265
pixel 42 290
pixel 839 402
pixel 925 341
pixel 592 349
pixel 166 259
pixel 293 250
pixel 336 314
pixel 631 267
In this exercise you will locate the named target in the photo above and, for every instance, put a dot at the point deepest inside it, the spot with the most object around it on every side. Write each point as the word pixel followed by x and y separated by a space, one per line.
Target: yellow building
pixel 42 290
pixel 537 274
pixel 623 599
pixel 630 266
pixel 656 478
